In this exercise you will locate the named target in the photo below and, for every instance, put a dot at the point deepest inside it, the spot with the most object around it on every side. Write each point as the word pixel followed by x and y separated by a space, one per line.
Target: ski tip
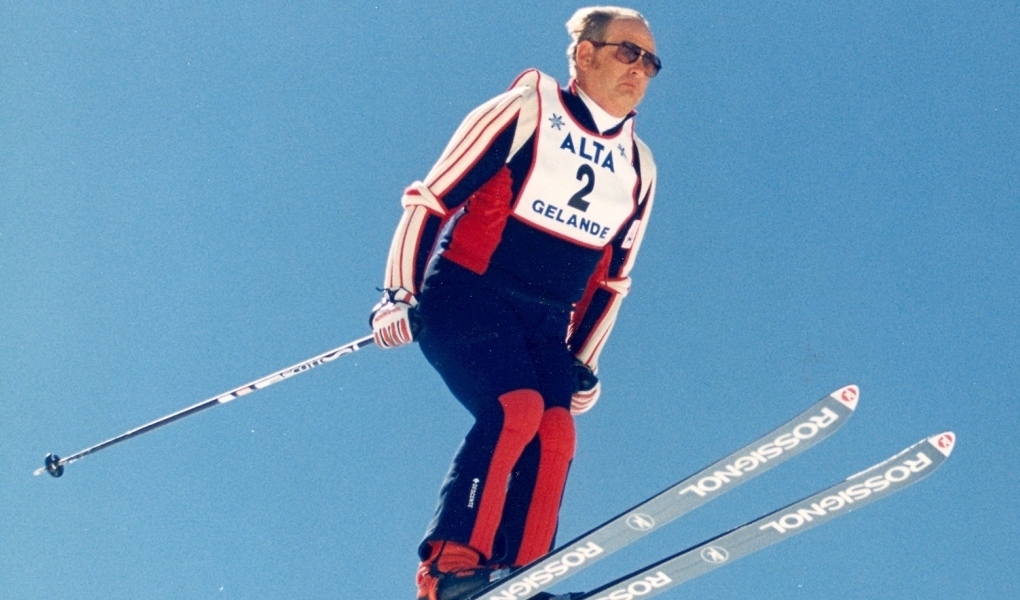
pixel 943 442
pixel 847 396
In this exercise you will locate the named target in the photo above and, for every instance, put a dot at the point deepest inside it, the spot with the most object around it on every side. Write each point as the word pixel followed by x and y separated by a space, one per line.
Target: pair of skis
pixel 803 432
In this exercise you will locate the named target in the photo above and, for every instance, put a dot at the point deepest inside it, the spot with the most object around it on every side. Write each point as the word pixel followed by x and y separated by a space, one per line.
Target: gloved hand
pixel 586 390
pixel 395 320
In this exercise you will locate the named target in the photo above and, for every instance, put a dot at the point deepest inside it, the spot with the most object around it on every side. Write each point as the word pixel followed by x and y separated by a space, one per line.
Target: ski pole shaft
pixel 55 465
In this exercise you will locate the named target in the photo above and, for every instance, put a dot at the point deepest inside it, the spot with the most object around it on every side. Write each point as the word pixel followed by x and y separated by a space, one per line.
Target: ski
pixel 797 435
pixel 882 480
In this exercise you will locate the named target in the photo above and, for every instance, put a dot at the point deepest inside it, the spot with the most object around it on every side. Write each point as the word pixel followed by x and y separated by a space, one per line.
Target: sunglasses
pixel 628 53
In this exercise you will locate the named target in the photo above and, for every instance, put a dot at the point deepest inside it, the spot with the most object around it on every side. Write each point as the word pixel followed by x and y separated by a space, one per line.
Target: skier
pixel 508 267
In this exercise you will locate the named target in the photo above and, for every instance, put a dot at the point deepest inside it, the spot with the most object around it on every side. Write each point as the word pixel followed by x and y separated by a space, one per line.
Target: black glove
pixel 586 389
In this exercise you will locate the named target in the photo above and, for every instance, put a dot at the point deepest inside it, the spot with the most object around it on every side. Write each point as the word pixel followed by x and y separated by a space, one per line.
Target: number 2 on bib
pixel 584 172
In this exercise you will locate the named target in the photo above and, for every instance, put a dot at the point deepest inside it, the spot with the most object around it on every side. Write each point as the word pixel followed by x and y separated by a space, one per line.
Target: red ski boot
pixel 453 572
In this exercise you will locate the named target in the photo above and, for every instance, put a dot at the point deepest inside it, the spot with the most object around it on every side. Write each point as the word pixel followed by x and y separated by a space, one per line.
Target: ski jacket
pixel 530 196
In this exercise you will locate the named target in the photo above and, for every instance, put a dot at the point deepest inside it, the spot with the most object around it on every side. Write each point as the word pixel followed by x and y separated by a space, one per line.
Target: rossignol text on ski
pixel 804 431
pixel 879 481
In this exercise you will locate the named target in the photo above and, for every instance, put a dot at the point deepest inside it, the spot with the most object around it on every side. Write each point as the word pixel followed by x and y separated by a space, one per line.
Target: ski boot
pixel 453 572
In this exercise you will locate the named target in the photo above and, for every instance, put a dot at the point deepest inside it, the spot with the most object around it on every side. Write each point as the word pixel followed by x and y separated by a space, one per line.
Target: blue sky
pixel 193 195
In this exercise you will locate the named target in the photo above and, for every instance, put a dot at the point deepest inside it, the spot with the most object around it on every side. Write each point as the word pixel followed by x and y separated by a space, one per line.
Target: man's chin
pixel 629 97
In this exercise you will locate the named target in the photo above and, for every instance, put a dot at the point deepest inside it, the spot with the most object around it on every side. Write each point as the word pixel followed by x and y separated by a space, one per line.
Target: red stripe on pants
pixel 557 439
pixel 522 416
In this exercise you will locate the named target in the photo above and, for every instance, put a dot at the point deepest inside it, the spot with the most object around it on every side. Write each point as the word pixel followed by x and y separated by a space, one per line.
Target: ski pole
pixel 54 465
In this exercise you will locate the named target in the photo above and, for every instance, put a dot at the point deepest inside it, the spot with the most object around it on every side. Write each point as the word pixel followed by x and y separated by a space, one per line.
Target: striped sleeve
pixel 595 315
pixel 472 141
pixel 483 143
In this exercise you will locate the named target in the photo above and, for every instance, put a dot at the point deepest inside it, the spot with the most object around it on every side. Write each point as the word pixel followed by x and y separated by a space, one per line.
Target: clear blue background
pixel 195 194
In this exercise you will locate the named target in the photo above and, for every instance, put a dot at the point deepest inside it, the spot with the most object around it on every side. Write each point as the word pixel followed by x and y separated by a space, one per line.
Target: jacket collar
pixel 589 114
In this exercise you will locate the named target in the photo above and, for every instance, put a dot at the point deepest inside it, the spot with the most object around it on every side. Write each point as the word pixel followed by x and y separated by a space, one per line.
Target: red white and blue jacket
pixel 530 195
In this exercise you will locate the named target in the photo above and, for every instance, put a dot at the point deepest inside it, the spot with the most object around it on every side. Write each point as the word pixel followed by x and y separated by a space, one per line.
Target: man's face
pixel 616 86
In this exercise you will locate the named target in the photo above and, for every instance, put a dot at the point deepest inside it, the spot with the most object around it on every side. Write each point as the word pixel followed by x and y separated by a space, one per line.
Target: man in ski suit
pixel 508 267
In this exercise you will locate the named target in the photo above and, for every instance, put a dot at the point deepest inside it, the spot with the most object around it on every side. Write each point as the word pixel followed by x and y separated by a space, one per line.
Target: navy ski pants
pixel 503 355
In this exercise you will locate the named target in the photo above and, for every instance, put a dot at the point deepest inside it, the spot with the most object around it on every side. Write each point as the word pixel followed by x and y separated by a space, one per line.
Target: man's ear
pixel 583 55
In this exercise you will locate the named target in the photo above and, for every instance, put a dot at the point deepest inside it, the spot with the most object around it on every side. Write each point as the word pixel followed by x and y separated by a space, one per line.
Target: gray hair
pixel 589 24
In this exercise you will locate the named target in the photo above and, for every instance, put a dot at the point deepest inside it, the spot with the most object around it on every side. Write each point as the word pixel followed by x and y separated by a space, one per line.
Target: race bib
pixel 582 185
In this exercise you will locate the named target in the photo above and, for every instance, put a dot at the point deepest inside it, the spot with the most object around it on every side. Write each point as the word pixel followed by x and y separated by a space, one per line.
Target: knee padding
pixel 522 414
pixel 557 434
